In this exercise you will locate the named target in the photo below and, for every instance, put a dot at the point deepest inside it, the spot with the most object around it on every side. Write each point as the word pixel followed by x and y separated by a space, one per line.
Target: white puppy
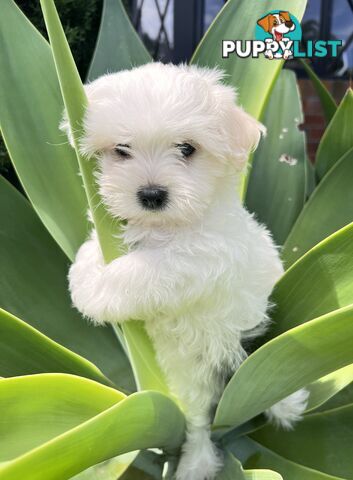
pixel 171 143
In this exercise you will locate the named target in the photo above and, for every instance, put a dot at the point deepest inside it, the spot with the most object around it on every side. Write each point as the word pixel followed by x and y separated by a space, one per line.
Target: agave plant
pixel 91 403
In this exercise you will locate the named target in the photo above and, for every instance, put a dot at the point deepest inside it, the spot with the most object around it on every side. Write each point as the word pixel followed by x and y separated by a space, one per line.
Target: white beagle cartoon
pixel 278 25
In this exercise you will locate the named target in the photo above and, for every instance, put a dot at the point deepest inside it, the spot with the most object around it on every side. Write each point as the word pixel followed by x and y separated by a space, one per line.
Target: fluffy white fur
pixel 200 271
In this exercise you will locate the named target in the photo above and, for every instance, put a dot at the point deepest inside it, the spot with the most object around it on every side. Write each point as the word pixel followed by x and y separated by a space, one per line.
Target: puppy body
pixel 198 270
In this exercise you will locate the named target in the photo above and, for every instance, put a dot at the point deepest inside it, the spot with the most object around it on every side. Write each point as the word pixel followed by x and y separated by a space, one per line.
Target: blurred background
pixel 171 30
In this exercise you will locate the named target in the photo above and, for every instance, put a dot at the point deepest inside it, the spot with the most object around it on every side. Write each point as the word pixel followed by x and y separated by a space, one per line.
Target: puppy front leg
pixel 102 292
pixel 135 286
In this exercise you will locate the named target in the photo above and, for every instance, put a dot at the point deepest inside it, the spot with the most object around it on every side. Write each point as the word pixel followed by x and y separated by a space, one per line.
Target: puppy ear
pixel 245 135
pixel 285 15
pixel 264 22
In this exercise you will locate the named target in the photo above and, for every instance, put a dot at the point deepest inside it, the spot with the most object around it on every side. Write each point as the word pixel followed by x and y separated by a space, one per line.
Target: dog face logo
pixel 278 25
pixel 278 30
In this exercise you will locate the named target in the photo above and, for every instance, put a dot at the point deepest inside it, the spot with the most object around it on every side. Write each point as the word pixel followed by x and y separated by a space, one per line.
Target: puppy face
pixel 277 24
pixel 166 138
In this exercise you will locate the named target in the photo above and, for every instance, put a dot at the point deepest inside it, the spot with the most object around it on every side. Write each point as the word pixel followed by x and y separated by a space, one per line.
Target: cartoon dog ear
pixel 245 135
pixel 264 22
pixel 286 16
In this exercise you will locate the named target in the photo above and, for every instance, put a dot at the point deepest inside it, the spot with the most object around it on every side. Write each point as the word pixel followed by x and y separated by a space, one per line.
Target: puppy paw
pixel 289 410
pixel 200 459
pixel 269 54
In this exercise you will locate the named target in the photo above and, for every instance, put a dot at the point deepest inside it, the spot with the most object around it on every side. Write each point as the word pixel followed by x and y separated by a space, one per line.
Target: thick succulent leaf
pixel 320 282
pixel 254 455
pixel 233 470
pixel 107 229
pixel 276 187
pixel 310 178
pixel 41 407
pixel 328 103
pixel 24 351
pixel 33 287
pixel 253 77
pixel 118 45
pixel 286 364
pixel 341 399
pixel 31 109
pixel 338 137
pixel 112 469
pixel 82 423
pixel 321 441
pixel 148 465
pixel 327 387
pixel 328 209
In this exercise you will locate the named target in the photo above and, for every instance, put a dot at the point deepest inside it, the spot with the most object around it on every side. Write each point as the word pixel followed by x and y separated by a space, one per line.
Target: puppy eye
pixel 186 149
pixel 123 150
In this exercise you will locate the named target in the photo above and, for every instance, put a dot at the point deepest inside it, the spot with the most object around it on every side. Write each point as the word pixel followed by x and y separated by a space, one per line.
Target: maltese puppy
pixel 171 144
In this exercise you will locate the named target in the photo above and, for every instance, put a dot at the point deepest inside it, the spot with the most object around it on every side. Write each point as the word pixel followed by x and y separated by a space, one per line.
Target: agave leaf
pixel 320 282
pixel 328 103
pixel 286 364
pixel 328 209
pixel 254 78
pixel 112 469
pixel 118 45
pixel 338 137
pixel 107 229
pixel 276 188
pixel 31 109
pixel 341 399
pixel 321 441
pixel 254 455
pixel 33 287
pixel 24 351
pixel 56 416
pixel 233 470
pixel 327 387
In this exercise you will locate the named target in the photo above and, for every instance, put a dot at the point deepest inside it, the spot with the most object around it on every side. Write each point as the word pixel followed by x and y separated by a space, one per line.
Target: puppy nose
pixel 289 23
pixel 153 197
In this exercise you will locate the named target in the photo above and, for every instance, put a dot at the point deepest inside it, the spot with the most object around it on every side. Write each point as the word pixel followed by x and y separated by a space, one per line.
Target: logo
pixel 278 36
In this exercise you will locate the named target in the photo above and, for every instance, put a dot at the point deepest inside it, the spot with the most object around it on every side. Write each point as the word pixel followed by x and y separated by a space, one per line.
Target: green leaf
pixel 107 229
pixel 338 137
pixel 33 287
pixel 276 188
pixel 109 470
pixel 254 455
pixel 341 399
pixel 321 441
pixel 24 351
pixel 118 45
pixel 320 282
pixel 254 78
pixel 31 109
pixel 233 470
pixel 310 178
pixel 328 209
pixel 286 364
pixel 148 465
pixel 50 417
pixel 325 388
pixel 328 103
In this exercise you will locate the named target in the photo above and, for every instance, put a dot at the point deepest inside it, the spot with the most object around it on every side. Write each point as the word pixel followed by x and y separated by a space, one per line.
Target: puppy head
pixel 277 24
pixel 166 139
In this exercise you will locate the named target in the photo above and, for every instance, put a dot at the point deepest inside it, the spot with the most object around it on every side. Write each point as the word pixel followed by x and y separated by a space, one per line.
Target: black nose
pixel 289 23
pixel 153 197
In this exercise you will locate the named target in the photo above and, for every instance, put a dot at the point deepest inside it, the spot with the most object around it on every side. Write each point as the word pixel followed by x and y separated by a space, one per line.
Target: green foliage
pixel 74 423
